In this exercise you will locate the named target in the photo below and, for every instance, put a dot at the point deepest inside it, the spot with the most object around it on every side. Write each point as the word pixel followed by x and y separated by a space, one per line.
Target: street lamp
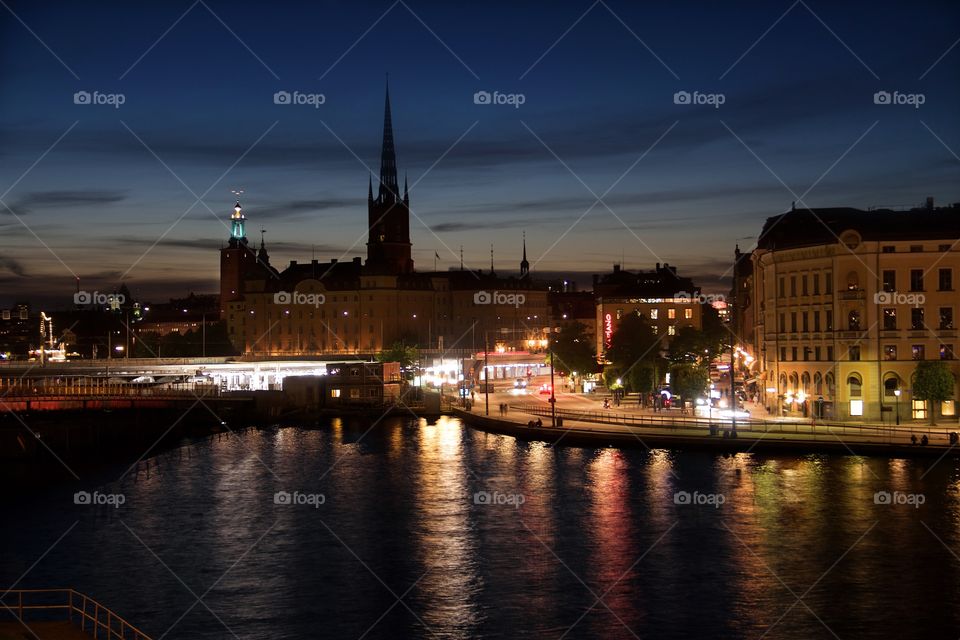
pixel 896 392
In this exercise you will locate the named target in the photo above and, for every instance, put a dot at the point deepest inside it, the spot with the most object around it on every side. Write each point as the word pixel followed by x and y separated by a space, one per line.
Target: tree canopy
pixel 573 349
pixel 933 382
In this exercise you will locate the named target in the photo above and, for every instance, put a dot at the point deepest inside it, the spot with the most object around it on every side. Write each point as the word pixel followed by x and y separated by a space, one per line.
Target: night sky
pixel 110 194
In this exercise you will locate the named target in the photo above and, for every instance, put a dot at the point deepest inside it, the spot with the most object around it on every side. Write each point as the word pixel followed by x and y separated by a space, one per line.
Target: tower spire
pixel 524 265
pixel 388 156
pixel 370 188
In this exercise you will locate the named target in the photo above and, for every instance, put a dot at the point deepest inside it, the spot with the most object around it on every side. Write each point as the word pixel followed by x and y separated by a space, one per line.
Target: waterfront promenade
pixel 586 422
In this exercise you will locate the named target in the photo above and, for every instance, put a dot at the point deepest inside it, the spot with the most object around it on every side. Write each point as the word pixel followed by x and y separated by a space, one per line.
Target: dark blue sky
pixel 598 82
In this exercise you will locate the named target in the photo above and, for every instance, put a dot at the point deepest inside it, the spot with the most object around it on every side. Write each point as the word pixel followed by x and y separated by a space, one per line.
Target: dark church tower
pixel 388 227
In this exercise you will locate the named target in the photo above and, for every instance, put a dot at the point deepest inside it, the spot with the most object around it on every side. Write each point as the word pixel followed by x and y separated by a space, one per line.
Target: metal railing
pixel 92 617
pixel 936 436
pixel 16 388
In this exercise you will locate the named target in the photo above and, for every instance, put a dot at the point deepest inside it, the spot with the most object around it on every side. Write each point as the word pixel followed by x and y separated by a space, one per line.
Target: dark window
pixel 828 280
pixel 793 286
pixel 780 288
pixel 816 321
pixel 916 318
pixel 830 353
pixel 816 353
pixel 783 323
pixel 889 280
pixel 888 248
pixel 853 321
pixel 854 352
pixel 916 279
pixel 829 326
pixel 816 284
pixel 793 322
pixel 946 317
pixel 916 248
pixel 783 354
pixel 803 285
pixel 805 321
pixel 890 319
pixel 946 280
pixel 793 353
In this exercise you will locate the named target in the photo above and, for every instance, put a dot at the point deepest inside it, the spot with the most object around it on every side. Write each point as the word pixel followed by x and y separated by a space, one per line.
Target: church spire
pixel 524 265
pixel 406 189
pixel 388 157
pixel 262 256
pixel 370 188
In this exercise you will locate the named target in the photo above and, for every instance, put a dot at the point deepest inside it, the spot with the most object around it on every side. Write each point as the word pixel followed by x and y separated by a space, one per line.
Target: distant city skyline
pixel 597 103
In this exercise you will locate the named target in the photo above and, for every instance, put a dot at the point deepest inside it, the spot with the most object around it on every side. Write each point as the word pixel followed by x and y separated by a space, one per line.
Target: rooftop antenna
pixel 461 257
pixel 491 259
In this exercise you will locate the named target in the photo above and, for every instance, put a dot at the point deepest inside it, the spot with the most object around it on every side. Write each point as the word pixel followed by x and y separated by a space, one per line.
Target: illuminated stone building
pixel 350 306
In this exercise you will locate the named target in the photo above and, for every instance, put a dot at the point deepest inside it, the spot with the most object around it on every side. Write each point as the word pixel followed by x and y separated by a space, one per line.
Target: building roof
pixel 808 227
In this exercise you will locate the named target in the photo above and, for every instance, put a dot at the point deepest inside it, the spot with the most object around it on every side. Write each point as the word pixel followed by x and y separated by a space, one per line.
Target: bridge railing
pixel 15 388
pixel 36 605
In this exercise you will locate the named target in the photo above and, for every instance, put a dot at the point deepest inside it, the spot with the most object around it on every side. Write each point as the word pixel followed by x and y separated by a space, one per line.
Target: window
pixel 688 314
pixel 793 322
pixel 672 330
pixel 830 354
pixel 656 329
pixel 793 286
pixel 919 409
pixel 816 321
pixel 816 284
pixel 853 281
pixel 918 351
pixel 890 319
pixel 890 352
pixel 946 317
pixel 805 324
pixel 888 248
pixel 916 318
pixel 946 352
pixel 856 386
pixel 619 313
pixel 793 353
pixel 828 286
pixel 916 248
pixel 783 323
pixel 783 354
pixel 806 357
pixel 948 408
pixel 334 393
pixel 354 393
pixel 856 407
pixel 672 314
pixel 889 280
pixel 945 280
pixel 780 288
pixel 816 356
pixel 803 285
pixel 829 326
pixel 890 385
pixel 916 279
pixel 654 314
pixel 853 320
pixel 854 352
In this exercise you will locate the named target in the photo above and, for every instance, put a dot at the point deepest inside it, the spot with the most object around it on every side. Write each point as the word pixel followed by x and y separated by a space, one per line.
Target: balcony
pixel 857 294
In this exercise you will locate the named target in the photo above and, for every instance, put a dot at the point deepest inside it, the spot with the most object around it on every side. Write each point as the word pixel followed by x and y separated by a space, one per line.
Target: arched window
pixel 783 383
pixel 805 382
pixel 853 281
pixel 855 385
pixel 794 382
pixel 818 383
pixel 831 386
pixel 853 320
pixel 890 385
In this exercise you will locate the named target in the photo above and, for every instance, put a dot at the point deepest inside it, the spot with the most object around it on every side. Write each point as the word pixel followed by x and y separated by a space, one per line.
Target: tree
pixel 400 352
pixel 633 341
pixel 933 383
pixel 573 349
pixel 689 380
pixel 689 345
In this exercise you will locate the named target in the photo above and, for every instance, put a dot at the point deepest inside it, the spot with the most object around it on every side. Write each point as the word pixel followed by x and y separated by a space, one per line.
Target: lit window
pixel 920 409
pixel 856 407
pixel 672 330
pixel 688 313
pixel 654 314
pixel 948 408
pixel 334 393
pixel 671 313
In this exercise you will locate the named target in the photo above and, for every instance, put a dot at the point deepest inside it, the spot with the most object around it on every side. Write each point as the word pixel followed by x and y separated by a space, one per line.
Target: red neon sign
pixel 607 329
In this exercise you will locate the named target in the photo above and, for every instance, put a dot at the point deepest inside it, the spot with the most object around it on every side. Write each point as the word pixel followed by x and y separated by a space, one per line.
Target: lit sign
pixel 607 329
